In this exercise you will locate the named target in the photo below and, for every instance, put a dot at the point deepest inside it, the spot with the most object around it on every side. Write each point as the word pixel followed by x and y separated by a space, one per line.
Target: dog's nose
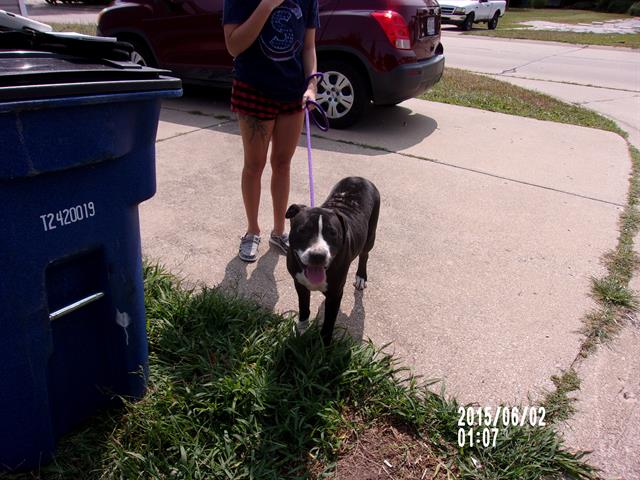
pixel 317 258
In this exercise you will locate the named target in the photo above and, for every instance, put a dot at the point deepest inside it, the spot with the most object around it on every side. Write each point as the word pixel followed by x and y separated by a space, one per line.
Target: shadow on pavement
pixel 352 324
pixel 383 129
pixel 261 287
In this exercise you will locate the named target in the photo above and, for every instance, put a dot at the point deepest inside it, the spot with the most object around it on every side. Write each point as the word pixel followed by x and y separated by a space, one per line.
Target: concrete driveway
pixel 490 230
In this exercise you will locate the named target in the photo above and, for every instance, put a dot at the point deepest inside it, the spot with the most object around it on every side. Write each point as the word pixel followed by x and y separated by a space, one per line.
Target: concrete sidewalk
pixel 490 230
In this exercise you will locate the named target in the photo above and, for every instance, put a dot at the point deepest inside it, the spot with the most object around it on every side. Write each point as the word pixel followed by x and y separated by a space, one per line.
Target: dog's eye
pixel 331 232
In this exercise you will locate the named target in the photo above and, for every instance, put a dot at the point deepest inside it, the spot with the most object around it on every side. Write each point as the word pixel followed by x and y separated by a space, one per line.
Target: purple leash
pixel 324 126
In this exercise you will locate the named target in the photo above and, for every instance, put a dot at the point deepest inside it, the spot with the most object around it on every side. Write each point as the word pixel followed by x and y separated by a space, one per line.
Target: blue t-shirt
pixel 273 63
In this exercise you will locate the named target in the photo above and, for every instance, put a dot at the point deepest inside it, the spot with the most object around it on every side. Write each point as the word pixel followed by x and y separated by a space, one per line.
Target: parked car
pixel 371 51
pixel 464 13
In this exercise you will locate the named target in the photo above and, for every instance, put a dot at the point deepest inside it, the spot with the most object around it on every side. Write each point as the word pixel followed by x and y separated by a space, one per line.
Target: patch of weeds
pixel 559 406
pixel 613 291
pixel 525 453
pixel 623 261
pixel 600 326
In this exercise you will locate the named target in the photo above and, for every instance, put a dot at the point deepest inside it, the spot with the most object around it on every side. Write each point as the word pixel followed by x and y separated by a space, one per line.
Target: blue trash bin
pixel 77 156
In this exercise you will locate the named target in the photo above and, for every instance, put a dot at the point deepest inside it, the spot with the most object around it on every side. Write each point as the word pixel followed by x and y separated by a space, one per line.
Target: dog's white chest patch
pixel 320 287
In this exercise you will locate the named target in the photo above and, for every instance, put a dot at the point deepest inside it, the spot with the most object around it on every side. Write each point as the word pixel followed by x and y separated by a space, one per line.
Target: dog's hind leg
pixel 361 273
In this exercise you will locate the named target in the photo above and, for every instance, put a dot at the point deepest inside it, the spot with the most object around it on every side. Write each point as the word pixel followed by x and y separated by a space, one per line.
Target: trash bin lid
pixel 41 65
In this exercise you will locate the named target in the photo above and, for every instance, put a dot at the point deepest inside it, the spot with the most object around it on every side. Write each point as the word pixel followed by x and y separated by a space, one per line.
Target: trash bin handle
pixel 75 306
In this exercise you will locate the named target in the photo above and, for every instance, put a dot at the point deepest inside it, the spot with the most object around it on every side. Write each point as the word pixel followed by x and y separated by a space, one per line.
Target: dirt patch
pixel 388 451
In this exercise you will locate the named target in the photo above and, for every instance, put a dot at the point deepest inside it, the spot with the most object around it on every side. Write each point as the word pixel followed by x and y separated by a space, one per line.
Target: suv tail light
pixel 395 28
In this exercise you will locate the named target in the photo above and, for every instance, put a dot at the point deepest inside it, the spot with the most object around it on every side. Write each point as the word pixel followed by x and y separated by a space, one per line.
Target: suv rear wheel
pixel 343 94
pixel 141 54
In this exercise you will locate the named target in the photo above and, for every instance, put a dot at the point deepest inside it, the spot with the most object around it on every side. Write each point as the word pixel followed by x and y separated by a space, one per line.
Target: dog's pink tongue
pixel 315 275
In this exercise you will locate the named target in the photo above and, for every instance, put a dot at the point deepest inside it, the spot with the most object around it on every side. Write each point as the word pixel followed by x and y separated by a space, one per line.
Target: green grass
pixel 85 28
pixel 558 405
pixel 600 326
pixel 623 261
pixel 510 26
pixel 514 16
pixel 233 394
pixel 611 290
pixel 460 87
pixel 616 301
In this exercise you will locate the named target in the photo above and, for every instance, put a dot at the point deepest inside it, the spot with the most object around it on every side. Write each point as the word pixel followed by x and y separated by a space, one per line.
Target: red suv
pixel 371 51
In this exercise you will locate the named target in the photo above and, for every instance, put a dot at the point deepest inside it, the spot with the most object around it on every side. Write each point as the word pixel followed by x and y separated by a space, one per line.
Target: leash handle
pixel 320 119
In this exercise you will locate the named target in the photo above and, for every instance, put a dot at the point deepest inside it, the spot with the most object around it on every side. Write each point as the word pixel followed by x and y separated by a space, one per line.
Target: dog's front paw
pixel 360 283
pixel 302 327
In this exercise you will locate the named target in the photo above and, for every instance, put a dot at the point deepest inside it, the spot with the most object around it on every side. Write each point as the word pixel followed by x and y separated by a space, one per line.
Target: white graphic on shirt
pixel 278 37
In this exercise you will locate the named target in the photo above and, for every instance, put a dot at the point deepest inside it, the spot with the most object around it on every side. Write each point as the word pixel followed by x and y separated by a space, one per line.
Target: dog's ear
pixel 294 209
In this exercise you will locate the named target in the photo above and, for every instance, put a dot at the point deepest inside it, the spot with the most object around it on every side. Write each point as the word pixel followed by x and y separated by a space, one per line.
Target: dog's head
pixel 316 236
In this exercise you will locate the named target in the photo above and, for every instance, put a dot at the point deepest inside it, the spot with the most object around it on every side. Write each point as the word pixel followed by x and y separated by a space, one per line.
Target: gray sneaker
pixel 249 247
pixel 280 241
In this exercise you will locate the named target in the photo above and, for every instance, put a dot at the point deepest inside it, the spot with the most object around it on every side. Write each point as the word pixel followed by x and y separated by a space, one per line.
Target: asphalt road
pixel 604 79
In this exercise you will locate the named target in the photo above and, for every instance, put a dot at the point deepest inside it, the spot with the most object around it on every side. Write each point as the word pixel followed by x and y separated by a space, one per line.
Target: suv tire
pixel 141 54
pixel 343 94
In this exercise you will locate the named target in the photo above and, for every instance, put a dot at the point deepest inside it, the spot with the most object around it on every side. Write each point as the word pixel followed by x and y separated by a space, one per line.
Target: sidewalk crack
pixel 515 69
pixel 473 170
pixel 206 127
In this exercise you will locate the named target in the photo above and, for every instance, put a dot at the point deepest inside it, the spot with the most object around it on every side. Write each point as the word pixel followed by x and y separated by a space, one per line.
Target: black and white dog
pixel 325 240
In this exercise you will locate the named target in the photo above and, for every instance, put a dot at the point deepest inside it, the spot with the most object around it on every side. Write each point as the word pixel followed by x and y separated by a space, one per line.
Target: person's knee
pixel 281 168
pixel 253 168
pixel 281 162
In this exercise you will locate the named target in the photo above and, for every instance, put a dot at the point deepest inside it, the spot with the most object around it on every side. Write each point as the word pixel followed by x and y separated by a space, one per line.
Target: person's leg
pixel 286 133
pixel 256 134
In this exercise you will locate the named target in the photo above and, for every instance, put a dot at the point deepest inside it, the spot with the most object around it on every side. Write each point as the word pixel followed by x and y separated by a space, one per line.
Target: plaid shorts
pixel 248 101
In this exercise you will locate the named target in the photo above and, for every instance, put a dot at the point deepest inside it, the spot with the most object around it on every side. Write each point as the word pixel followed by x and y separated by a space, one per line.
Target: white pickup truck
pixel 465 13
